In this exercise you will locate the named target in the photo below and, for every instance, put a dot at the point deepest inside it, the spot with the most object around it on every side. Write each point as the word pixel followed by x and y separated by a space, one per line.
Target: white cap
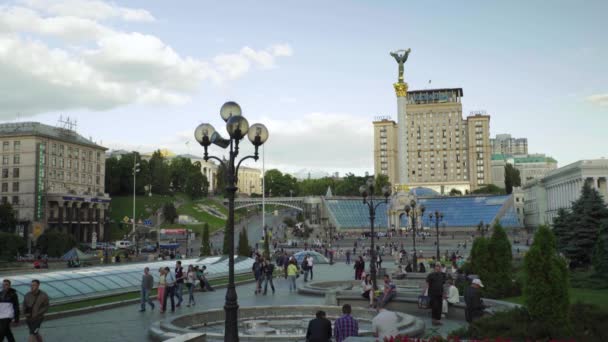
pixel 478 282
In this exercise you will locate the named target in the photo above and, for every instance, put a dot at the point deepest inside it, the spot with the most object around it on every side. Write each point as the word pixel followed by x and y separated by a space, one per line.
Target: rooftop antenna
pixel 67 123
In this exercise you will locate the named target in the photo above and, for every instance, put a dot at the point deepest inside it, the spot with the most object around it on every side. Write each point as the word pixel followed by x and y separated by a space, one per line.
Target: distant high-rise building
pixel 444 150
pixel 385 149
pixel 505 144
pixel 530 167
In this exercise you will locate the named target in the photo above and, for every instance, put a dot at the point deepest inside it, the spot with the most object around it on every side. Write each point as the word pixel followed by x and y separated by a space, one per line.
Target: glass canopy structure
pixel 90 282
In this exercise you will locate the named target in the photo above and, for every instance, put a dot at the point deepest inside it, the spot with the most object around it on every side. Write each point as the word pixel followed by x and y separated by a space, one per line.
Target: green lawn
pixel 588 296
pixel 215 223
pixel 122 206
pixel 132 295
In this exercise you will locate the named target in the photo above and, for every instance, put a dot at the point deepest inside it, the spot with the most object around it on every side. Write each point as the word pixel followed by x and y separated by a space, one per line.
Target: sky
pixel 142 75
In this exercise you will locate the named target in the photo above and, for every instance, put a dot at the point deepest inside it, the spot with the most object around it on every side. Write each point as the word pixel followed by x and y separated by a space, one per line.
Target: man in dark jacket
pixel 472 298
pixel 435 283
pixel 319 329
pixel 9 310
pixel 35 305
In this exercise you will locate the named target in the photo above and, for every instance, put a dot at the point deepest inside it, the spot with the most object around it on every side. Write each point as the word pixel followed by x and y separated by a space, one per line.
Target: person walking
pixel 179 282
pixel 9 310
pixel 256 269
pixel 190 282
pixel 268 269
pixel 147 282
pixel 319 329
pixel 346 325
pixel 170 289
pixel 292 273
pixel 472 298
pixel 435 281
pixel 310 261
pixel 162 288
pixel 348 256
pixel 35 305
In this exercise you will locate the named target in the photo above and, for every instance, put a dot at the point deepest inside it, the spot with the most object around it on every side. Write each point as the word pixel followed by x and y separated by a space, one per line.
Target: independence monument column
pixel 402 137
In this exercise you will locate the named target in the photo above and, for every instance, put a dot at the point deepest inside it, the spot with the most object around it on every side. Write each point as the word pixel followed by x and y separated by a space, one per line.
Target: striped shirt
pixel 344 327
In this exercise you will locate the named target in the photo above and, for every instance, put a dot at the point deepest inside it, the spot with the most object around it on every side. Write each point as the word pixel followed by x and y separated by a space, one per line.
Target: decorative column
pixel 402 123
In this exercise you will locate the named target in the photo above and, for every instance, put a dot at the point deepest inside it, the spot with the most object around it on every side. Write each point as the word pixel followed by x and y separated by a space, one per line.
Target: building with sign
pixel 54 179
pixel 444 150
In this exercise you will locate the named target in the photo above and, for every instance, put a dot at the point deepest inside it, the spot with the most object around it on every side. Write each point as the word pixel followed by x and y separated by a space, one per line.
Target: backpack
pixel 304 264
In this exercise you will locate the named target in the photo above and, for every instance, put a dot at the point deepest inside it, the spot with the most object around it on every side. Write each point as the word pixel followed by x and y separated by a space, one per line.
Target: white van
pixel 123 244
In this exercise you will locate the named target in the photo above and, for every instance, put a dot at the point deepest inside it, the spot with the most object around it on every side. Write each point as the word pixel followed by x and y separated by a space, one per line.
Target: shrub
pixel 55 244
pixel 10 246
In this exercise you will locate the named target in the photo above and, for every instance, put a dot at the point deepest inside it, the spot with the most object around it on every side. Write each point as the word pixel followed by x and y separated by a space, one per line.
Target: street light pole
pixel 414 215
pixel 237 127
pixel 368 190
pixel 135 171
pixel 437 217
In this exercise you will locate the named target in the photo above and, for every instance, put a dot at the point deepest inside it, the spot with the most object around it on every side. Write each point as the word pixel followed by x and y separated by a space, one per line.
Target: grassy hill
pixel 146 206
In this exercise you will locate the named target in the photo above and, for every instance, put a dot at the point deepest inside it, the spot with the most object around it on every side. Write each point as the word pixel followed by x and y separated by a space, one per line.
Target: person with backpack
pixel 305 268
pixel 267 270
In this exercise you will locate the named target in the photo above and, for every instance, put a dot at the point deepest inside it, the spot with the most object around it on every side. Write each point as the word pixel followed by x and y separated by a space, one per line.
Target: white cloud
pixel 94 66
pixel 96 10
pixel 598 99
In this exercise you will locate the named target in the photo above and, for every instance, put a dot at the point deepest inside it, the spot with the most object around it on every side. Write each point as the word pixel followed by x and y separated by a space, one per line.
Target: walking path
pixel 127 324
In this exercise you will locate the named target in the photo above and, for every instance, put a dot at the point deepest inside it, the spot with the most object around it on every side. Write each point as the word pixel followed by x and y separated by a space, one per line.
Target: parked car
pixel 123 244
pixel 149 249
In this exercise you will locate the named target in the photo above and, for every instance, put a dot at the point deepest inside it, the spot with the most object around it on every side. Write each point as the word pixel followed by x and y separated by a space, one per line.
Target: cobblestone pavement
pixel 126 324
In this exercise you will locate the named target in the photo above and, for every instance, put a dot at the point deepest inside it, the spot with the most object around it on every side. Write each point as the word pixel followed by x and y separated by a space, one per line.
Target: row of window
pixel 14 202
pixel 5 172
pixel 4 187
pixel 74 152
pixel 6 159
pixel 68 176
pixel 6 145
pixel 74 165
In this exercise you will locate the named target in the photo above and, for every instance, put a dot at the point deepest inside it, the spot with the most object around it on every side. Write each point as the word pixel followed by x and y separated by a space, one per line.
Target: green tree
pixel 205 243
pixel 546 284
pixel 10 246
pixel 562 229
pixel 8 221
pixel 489 189
pixel 455 192
pixel 380 181
pixel 243 247
pixel 587 213
pixel 55 243
pixel 498 282
pixel 315 187
pixel 112 176
pixel 169 212
pixel 160 174
pixel 480 258
pixel 349 185
pixel 600 255
pixel 512 178
pixel 278 184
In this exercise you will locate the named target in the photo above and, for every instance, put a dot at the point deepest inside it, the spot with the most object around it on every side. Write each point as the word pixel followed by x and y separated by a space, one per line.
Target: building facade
pixel 444 151
pixel 385 149
pixel 560 187
pixel 54 178
pixel 505 144
pixel 530 167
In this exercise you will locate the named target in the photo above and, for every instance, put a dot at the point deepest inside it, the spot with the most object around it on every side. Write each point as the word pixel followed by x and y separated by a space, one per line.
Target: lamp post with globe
pixel 237 128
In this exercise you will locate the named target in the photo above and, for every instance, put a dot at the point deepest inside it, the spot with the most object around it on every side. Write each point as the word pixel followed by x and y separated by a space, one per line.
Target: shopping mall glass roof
pixel 81 283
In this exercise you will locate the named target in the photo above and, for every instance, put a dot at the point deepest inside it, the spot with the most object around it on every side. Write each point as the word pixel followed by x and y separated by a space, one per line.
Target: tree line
pixel 163 175
pixel 278 184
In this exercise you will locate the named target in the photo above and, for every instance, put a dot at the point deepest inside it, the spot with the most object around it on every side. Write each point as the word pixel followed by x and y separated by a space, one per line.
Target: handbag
pixel 424 302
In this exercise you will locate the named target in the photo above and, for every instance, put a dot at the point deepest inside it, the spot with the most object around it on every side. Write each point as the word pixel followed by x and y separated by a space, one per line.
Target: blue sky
pixel 143 74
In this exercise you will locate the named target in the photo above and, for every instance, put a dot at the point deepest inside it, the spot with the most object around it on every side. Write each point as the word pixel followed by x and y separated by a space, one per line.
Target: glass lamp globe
pixel 230 109
pixel 237 127
pixel 203 134
pixel 258 134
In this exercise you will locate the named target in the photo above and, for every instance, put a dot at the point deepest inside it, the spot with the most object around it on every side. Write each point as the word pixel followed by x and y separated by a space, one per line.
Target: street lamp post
pixel 135 171
pixel 367 190
pixel 438 217
pixel 237 127
pixel 414 212
pixel 483 228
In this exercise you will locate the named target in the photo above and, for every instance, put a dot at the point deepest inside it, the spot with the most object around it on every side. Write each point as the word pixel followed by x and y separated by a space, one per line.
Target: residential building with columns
pixel 560 187
pixel 56 180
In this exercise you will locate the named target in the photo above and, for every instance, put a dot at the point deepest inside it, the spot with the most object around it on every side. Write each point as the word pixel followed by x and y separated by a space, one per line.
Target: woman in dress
pixel 368 289
pixel 162 284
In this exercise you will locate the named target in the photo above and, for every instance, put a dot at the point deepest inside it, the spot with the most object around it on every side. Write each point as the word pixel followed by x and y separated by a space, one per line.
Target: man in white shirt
pixel 309 259
pixel 384 325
